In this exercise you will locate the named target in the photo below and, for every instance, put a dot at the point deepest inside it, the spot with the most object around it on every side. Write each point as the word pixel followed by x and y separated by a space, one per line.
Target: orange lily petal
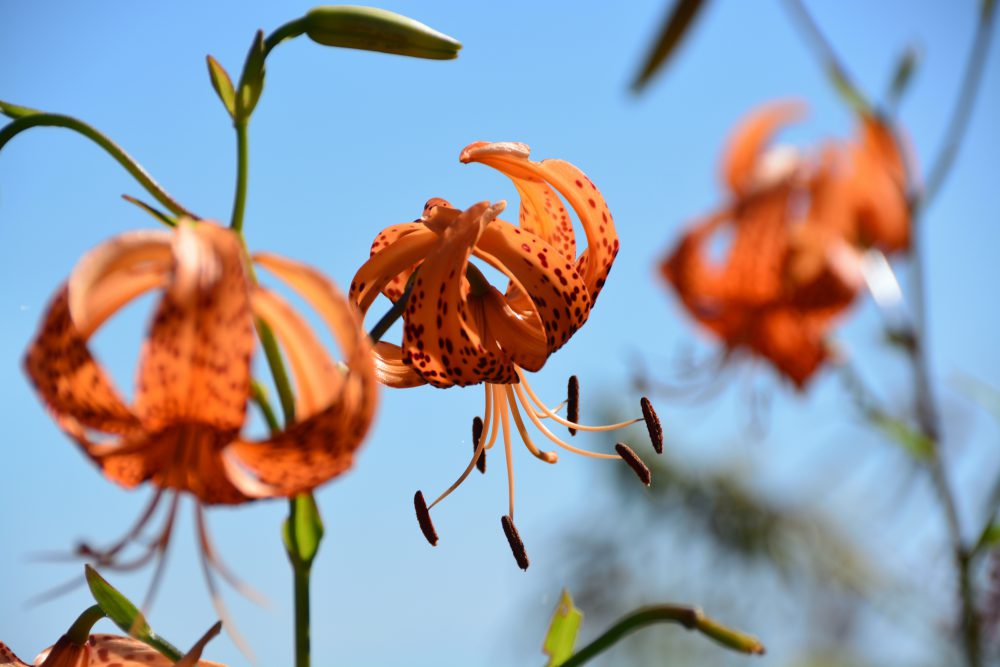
pixel 68 378
pixel 322 445
pixel 387 237
pixel 195 364
pixel 317 380
pixel 557 291
pixel 739 162
pixel 8 659
pixel 388 263
pixel 108 650
pixel 391 370
pixel 512 159
pixel 441 339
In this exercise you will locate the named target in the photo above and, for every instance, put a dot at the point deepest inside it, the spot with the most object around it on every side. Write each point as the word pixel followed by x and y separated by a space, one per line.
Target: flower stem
pixel 691 618
pixel 300 573
pixel 288 31
pixel 240 200
pixel 27 122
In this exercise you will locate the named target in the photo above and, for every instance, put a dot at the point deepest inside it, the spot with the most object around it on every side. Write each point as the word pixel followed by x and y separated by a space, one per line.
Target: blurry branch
pixel 940 168
pixel 828 57
pixel 675 27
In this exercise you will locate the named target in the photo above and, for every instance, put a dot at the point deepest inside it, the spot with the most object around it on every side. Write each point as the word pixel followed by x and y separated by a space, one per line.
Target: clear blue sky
pixel 345 143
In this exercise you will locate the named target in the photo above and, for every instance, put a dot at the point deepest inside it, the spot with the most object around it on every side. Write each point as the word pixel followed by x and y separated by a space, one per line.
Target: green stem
pixel 689 617
pixel 300 574
pixel 240 200
pixel 80 629
pixel 290 30
pixel 14 128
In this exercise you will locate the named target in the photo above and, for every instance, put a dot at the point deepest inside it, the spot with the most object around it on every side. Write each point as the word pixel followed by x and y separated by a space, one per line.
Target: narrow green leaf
pixel 918 445
pixel 847 91
pixel 15 112
pixel 222 84
pixel 302 531
pixel 152 210
pixel 901 78
pixel 561 637
pixel 126 615
pixel 676 26
pixel 371 29
pixel 987 10
pixel 252 79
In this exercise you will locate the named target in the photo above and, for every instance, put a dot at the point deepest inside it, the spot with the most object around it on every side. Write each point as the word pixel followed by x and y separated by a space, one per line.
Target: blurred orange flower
pixel 107 650
pixel 182 429
pixel 460 330
pixel 797 228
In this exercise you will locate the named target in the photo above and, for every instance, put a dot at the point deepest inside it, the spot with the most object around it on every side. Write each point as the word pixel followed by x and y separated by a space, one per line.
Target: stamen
pixel 495 401
pixel 105 557
pixel 505 420
pixel 514 539
pixel 212 556
pixel 573 402
pixel 559 420
pixel 205 557
pixel 634 462
pixel 478 452
pixel 548 457
pixel 477 435
pixel 160 549
pixel 652 424
pixel 424 518
pixel 548 434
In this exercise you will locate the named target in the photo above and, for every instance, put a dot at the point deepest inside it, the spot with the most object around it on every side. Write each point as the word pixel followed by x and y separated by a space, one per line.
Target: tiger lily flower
pixel 798 228
pixel 181 432
pixel 459 330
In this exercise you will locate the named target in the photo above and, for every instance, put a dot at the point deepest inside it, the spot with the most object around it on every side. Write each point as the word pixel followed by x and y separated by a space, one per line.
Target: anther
pixel 424 518
pixel 514 539
pixel 652 424
pixel 477 434
pixel 573 402
pixel 634 462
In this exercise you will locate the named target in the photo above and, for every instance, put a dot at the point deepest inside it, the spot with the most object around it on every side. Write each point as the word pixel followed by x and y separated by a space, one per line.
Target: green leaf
pixel 561 637
pixel 918 445
pixel 371 29
pixel 252 79
pixel 126 615
pixel 152 210
pixel 847 91
pixel 674 29
pixel 302 531
pixel 15 112
pixel 222 84
pixel 901 78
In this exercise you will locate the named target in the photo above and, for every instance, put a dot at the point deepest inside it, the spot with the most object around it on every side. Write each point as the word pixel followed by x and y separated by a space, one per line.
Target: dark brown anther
pixel 652 424
pixel 424 518
pixel 573 402
pixel 634 462
pixel 514 539
pixel 477 434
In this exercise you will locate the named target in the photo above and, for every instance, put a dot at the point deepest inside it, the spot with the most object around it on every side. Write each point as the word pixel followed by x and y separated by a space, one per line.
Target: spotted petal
pixel 512 159
pixel 108 650
pixel 322 444
pixel 195 364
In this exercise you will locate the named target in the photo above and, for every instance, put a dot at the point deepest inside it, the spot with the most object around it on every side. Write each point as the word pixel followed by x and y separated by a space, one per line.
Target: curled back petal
pixel 388 263
pixel 195 364
pixel 69 380
pixel 747 143
pixel 317 380
pixel 512 159
pixel 556 290
pixel 124 651
pixel 8 659
pixel 393 289
pixel 322 445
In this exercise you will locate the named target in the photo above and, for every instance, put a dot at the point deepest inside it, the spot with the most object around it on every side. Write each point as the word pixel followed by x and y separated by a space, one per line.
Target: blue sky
pixel 345 143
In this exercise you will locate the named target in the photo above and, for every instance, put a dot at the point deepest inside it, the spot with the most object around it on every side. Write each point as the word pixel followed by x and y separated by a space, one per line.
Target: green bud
pixel 223 85
pixel 252 79
pixel 371 29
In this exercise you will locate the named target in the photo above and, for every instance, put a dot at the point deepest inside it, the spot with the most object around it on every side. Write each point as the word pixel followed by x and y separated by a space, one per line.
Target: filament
pixel 548 457
pixel 510 459
pixel 559 420
pixel 548 434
